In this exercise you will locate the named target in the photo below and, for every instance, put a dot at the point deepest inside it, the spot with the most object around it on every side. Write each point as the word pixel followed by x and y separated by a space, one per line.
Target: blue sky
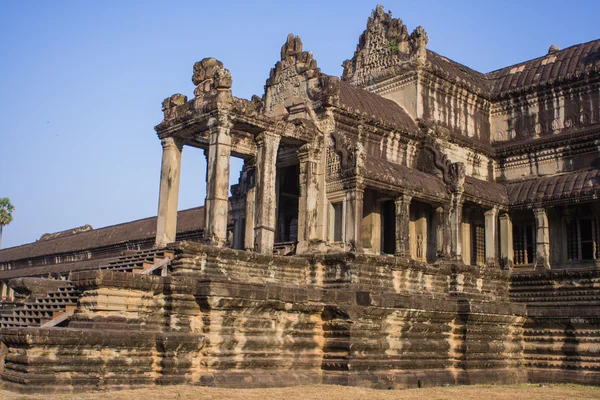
pixel 82 83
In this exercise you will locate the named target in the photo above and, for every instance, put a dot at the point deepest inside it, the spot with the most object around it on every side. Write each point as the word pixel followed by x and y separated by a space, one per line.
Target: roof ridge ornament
pixel 212 80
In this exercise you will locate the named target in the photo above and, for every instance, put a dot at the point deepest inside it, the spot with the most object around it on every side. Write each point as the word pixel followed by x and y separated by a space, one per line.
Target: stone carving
pixel 210 76
pixel 294 79
pixel 382 47
pixel 432 159
pixel 170 104
pixel 418 45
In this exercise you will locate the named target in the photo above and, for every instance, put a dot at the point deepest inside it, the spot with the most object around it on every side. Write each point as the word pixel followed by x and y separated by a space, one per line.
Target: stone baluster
pixel 491 239
pixel 217 185
pixel 403 226
pixel 506 241
pixel 444 237
pixel 266 172
pixel 542 257
pixel 166 222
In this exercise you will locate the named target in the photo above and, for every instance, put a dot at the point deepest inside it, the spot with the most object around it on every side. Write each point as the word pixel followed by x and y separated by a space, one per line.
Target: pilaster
pixel 444 236
pixel 166 222
pixel 542 258
pixel 491 239
pixel 308 204
pixel 354 215
pixel 506 242
pixel 456 231
pixel 403 226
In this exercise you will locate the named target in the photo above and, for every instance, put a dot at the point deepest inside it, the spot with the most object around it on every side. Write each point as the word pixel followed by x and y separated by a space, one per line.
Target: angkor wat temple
pixel 412 223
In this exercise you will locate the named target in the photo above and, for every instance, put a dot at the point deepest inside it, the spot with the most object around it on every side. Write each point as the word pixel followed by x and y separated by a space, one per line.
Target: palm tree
pixel 6 218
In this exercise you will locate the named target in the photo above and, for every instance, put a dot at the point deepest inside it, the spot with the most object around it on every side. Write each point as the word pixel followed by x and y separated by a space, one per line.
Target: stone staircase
pixel 57 306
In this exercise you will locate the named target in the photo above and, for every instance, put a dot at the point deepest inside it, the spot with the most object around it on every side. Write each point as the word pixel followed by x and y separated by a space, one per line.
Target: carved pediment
pixel 294 79
pixel 382 47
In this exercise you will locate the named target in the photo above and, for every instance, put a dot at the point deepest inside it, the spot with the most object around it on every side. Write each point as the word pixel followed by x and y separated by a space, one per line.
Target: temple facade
pixel 413 223
pixel 409 154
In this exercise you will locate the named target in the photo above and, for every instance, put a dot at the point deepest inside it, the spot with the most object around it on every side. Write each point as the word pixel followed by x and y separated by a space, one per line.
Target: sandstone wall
pixel 562 333
pixel 233 318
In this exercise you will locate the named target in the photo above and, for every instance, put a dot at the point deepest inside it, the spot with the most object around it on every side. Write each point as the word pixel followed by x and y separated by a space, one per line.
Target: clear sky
pixel 81 83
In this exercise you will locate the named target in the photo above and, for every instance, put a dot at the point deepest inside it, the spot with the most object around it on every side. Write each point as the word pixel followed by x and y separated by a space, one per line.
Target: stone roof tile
pixel 583 183
pixel 354 98
pixel 569 63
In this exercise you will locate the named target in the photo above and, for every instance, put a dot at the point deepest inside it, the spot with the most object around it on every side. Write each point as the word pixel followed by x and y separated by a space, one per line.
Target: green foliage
pixel 393 45
pixel 6 209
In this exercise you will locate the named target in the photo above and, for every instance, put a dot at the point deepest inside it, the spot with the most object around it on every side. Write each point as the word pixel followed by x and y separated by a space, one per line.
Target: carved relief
pixel 294 80
pixel 210 75
pixel 382 47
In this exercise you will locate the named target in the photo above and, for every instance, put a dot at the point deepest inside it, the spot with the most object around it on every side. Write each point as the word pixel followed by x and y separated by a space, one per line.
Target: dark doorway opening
pixel 388 227
pixel 287 205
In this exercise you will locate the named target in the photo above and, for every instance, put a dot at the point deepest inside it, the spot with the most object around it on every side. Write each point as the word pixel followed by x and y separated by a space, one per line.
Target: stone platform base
pixel 234 319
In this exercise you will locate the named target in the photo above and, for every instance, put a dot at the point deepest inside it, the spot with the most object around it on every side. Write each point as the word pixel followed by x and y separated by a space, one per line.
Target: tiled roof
pixel 354 98
pixel 458 73
pixel 565 64
pixel 486 190
pixel 187 220
pixel 584 184
pixel 405 177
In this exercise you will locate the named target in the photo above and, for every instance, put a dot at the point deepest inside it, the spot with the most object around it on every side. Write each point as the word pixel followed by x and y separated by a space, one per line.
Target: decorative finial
pixel 553 49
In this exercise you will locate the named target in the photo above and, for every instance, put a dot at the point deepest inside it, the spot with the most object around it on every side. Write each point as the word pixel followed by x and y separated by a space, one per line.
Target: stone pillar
pixel 403 226
pixel 354 216
pixel 506 242
pixel 217 184
pixel 166 222
pixel 308 203
pixel 266 172
pixel 250 219
pixel 443 231
pixel 542 257
pixel 456 228
pixel 491 239
pixel 250 187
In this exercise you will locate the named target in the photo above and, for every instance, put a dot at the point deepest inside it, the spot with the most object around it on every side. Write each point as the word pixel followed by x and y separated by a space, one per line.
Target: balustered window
pixel 582 239
pixel 478 247
pixel 524 244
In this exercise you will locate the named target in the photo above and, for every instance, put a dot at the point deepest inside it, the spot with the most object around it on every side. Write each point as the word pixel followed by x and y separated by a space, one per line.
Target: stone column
pixel 456 229
pixel 166 222
pixel 308 203
pixel 491 239
pixel 506 242
pixel 542 258
pixel 354 216
pixel 266 172
pixel 250 187
pixel 403 226
pixel 217 184
pixel 443 231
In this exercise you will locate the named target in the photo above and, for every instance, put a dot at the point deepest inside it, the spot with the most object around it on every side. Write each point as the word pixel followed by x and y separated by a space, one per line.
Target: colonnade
pixel 261 200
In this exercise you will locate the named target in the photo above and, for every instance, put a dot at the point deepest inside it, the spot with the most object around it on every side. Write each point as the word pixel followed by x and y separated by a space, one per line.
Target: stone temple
pixel 412 223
